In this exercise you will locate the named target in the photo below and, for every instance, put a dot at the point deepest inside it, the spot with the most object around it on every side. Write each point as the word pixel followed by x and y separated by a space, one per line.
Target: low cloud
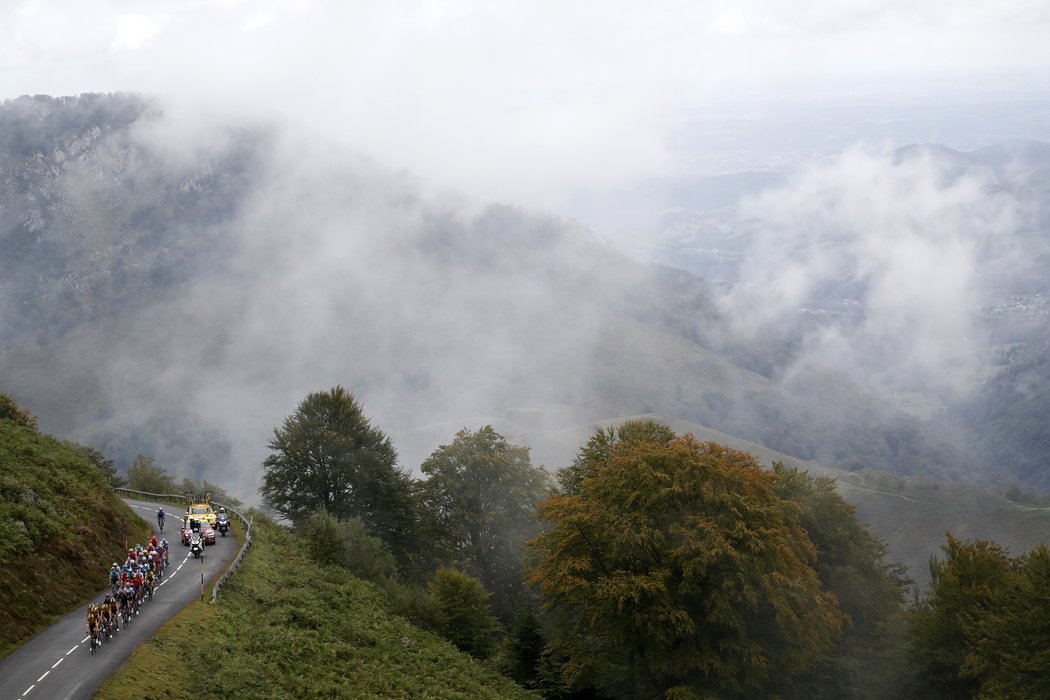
pixel 889 251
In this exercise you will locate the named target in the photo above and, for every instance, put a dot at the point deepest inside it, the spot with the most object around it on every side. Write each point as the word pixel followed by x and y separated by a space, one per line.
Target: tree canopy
pixel 327 457
pixel 671 567
pixel 983 629
pixel 483 493
pixel 145 475
pixel 852 565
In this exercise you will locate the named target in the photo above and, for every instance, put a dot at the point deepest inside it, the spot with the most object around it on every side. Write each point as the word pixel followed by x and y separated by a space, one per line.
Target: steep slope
pixel 1006 424
pixel 60 527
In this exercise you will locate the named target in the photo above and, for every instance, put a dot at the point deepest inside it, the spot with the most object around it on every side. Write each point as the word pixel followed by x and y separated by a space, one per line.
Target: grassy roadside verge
pixel 286 628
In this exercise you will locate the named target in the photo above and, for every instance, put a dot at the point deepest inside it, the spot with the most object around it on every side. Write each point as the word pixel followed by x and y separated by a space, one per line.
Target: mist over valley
pixel 175 291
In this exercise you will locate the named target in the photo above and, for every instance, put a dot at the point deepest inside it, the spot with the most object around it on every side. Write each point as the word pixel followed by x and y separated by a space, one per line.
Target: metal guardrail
pixel 240 555
pixel 181 499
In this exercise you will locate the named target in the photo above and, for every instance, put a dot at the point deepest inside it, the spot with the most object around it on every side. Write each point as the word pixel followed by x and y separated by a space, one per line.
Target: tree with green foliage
pixel 104 464
pixel 671 568
pixel 145 475
pixel 464 602
pixel 965 588
pixel 851 564
pixel 525 656
pixel 347 543
pixel 327 456
pixel 482 492
pixel 10 410
pixel 1010 653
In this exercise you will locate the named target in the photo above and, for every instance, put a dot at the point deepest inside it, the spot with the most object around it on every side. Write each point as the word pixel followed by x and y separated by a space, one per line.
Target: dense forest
pixel 654 565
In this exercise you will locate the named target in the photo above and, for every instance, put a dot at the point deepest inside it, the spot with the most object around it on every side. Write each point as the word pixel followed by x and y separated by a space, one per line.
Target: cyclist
pixel 92 625
pixel 127 600
pixel 160 518
pixel 114 612
pixel 105 621
pixel 114 576
pixel 150 580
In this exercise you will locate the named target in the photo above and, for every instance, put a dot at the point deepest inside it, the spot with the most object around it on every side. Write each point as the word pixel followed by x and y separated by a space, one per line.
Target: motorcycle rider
pixel 223 522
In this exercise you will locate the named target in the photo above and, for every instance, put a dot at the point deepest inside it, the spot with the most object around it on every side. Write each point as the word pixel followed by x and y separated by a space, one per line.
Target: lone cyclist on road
pixel 160 519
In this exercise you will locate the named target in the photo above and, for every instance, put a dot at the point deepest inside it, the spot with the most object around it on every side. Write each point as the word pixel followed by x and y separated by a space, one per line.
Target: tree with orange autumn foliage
pixel 669 567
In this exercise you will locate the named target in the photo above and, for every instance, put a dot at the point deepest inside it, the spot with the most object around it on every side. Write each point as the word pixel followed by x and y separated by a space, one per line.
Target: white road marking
pixel 28 689
pixel 85 639
pixel 43 676
pixel 59 661
pixel 72 650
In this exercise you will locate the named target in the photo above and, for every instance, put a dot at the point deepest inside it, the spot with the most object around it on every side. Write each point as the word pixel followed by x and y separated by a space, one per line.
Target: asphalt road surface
pixel 58 664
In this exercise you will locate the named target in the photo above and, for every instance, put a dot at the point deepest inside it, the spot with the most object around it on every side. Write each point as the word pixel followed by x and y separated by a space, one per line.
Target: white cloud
pixel 907 235
pixel 135 32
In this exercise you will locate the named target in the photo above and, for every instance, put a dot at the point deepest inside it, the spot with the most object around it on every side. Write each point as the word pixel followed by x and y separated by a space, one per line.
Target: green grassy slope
pixel 910 514
pixel 61 526
pixel 286 628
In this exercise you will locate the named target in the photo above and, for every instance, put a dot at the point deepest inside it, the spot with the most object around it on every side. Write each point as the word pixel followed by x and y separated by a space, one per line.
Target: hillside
pixel 187 285
pixel 60 526
pixel 1006 421
pixel 270 636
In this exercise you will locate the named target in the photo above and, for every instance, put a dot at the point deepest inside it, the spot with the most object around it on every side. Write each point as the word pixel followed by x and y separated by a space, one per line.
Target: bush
pixel 415 604
pixel 9 410
pixel 347 543
pixel 469 622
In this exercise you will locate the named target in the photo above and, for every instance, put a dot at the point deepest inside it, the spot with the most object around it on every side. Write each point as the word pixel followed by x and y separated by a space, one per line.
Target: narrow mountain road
pixel 57 663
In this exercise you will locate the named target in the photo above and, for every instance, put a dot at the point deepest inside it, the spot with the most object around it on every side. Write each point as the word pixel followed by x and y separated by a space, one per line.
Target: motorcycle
pixel 196 545
pixel 222 524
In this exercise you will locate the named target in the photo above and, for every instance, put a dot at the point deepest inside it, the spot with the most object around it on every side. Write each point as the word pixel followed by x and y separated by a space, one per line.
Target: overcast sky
pixel 509 100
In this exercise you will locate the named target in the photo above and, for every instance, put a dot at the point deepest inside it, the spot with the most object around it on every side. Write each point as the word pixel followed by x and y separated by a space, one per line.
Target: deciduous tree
pixel 965 587
pixel 851 563
pixel 1011 650
pixel 327 456
pixel 464 602
pixel 483 492
pixel 145 475
pixel 670 567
